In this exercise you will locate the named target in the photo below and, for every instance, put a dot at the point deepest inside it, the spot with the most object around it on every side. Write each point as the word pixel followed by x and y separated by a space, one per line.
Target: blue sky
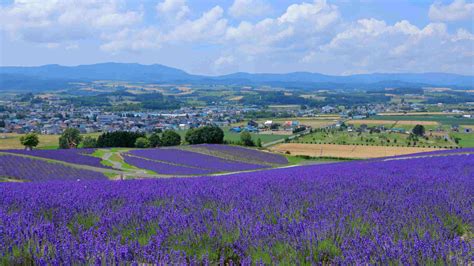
pixel 218 37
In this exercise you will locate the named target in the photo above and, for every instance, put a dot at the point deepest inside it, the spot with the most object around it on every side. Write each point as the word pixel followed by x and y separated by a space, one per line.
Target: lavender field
pixel 75 156
pixel 240 153
pixel 194 160
pixel 412 211
pixel 27 169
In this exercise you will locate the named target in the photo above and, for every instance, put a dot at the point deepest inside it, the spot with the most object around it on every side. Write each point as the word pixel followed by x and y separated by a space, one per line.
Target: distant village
pixel 55 116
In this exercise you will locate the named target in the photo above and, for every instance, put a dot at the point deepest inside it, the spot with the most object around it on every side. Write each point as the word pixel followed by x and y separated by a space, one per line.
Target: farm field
pixel 136 163
pixel 466 140
pixel 380 139
pixel 441 119
pixel 358 212
pixel 392 122
pixel 345 151
pixel 47 142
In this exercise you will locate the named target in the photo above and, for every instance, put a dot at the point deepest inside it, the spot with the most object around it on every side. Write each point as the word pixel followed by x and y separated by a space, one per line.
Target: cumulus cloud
pixel 249 8
pixel 50 21
pixel 173 9
pixel 371 45
pixel 457 10
pixel 305 36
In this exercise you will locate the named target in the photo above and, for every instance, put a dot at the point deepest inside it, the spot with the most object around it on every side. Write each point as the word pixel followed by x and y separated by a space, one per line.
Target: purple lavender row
pixel 429 153
pixel 76 156
pixel 418 211
pixel 164 168
pixel 22 168
pixel 193 159
pixel 247 153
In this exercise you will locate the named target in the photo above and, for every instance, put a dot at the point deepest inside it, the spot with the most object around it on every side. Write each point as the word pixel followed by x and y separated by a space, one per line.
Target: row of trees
pixel 71 138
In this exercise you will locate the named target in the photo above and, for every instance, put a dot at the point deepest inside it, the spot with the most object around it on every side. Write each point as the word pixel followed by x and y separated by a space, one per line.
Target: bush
pixel 118 139
pixel 142 142
pixel 246 139
pixel 170 138
pixel 89 142
pixel 155 140
pixel 207 134
pixel 70 138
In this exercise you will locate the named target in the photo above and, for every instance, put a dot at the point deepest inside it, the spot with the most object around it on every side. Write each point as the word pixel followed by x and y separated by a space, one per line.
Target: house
pixel 236 129
pixel 268 123
pixel 252 123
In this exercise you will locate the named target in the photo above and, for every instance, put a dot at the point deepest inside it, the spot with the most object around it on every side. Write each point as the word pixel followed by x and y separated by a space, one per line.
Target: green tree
pixel 118 139
pixel 155 140
pixel 259 142
pixel 419 130
pixel 29 140
pixel 142 142
pixel 206 134
pixel 89 142
pixel 70 138
pixel 170 138
pixel 246 139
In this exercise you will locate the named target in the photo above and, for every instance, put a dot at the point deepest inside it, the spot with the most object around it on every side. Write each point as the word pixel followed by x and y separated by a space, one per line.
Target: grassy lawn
pixel 467 140
pixel 382 139
pixel 46 142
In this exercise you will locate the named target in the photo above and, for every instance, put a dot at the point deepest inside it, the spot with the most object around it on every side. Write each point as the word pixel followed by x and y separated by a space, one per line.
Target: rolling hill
pixel 51 77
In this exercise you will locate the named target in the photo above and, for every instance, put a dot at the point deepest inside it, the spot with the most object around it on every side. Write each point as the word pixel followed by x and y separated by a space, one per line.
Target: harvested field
pixel 416 113
pixel 236 98
pixel 276 132
pixel 345 151
pixel 390 122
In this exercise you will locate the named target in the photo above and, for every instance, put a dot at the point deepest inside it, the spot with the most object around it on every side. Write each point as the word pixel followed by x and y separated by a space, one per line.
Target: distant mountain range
pixel 50 77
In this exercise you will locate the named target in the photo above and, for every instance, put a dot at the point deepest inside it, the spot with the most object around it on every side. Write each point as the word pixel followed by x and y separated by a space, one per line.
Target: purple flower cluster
pixel 28 169
pixel 164 168
pixel 246 153
pixel 76 156
pixel 194 160
pixel 415 211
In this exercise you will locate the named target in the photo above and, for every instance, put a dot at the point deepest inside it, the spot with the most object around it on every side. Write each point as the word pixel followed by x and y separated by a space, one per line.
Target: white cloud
pixel 249 8
pixel 370 45
pixel 209 26
pixel 52 21
pixel 173 9
pixel 317 15
pixel 457 10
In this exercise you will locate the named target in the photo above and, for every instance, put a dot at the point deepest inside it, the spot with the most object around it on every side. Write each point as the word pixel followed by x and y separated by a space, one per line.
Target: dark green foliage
pixel 2 123
pixel 246 139
pixel 142 142
pixel 123 139
pixel 89 142
pixel 155 140
pixel 30 140
pixel 70 138
pixel 419 130
pixel 170 138
pixel 207 134
pixel 259 142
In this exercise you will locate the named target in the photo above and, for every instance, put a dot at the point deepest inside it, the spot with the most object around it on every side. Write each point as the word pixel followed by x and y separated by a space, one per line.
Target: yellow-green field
pixel 12 141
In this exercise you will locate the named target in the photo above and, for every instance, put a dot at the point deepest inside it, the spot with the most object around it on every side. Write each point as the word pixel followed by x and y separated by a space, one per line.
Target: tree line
pixel 71 138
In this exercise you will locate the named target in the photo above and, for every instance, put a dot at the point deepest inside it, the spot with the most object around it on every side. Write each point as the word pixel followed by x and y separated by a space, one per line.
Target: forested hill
pixel 52 77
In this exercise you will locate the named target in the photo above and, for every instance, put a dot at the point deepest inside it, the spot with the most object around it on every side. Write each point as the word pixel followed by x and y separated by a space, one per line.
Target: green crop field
pixel 466 140
pixel 443 119
pixel 381 139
